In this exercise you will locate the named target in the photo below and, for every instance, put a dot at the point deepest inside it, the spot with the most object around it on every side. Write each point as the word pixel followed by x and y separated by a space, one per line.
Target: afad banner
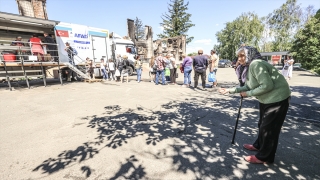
pixel 78 37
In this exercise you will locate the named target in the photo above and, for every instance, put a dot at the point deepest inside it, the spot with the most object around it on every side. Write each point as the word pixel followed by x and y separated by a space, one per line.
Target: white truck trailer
pixel 94 43
pixel 90 42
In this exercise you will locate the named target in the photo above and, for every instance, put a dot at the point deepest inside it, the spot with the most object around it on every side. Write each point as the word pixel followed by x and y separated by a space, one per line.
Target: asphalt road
pixel 136 130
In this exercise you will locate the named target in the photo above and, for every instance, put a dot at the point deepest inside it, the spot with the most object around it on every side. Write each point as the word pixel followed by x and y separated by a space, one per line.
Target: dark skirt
pixel 271 119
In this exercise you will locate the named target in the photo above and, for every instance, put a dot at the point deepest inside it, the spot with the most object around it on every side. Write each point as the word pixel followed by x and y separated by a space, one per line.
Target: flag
pixel 62 33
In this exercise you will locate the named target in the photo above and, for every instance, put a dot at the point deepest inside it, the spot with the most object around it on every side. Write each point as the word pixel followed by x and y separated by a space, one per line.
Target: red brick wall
pixel 33 8
pixel 38 9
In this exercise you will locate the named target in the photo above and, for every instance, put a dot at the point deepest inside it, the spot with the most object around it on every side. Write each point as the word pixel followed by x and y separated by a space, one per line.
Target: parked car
pixel 297 65
pixel 234 62
pixel 224 63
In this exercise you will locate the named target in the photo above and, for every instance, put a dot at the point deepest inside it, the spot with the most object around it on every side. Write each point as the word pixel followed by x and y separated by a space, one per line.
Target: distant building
pixel 33 8
pixel 275 57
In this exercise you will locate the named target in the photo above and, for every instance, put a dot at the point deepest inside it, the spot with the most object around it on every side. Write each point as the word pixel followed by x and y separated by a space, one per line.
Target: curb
pixel 301 69
pixel 309 71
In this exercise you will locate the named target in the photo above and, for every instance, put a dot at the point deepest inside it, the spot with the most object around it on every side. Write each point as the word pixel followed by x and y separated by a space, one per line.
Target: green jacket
pixel 264 82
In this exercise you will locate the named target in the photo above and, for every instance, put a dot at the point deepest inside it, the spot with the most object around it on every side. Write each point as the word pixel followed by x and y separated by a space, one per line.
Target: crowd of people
pixel 162 69
pixel 166 66
pixel 111 71
pixel 119 71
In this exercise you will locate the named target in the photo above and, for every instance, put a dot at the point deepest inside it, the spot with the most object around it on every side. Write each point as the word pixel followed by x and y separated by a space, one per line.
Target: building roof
pixel 17 22
pixel 274 53
pixel 15 18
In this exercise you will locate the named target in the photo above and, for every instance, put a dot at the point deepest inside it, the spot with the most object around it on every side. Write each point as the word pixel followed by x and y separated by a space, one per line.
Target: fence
pixel 24 60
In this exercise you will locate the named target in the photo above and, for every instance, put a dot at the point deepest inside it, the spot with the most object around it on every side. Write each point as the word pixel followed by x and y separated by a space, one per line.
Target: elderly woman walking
pixel 263 81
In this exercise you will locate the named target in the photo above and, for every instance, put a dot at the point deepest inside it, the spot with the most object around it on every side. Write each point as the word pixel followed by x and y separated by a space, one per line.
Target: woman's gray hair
pixel 251 53
pixel 244 51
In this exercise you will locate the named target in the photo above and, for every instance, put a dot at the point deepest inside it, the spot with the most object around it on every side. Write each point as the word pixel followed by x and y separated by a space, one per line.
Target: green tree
pixel 306 46
pixel 317 14
pixel 247 29
pixel 283 22
pixel 265 40
pixel 139 29
pixel 177 21
pixel 193 54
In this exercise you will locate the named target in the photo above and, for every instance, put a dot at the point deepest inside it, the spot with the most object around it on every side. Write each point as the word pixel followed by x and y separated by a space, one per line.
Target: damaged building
pixel 173 45
pixel 33 8
pixel 148 47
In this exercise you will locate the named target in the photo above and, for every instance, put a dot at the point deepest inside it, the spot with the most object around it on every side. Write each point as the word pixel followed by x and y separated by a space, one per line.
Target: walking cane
pixel 235 128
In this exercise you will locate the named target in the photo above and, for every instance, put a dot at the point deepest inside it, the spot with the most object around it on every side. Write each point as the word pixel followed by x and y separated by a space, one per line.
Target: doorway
pixel 99 48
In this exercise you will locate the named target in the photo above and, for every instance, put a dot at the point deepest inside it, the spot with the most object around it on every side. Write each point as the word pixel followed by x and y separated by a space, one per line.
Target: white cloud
pixel 217 24
pixel 161 28
pixel 203 41
pixel 191 49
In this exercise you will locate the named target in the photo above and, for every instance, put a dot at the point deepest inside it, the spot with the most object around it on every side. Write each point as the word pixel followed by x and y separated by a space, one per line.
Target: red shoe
pixel 252 159
pixel 250 147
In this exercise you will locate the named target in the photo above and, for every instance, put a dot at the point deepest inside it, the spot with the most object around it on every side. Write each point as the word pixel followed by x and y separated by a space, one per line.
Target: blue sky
pixel 209 16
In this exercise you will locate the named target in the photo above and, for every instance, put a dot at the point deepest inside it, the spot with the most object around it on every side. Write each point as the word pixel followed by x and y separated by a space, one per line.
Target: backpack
pixel 137 64
pixel 155 66
pixel 159 64
pixel 125 63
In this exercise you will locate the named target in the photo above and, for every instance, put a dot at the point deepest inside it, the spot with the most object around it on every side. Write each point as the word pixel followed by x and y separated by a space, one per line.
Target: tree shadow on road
pixel 129 171
pixel 305 102
pixel 201 128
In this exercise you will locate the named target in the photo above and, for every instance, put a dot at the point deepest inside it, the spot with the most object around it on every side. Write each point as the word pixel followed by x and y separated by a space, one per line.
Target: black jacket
pixel 200 63
pixel 50 40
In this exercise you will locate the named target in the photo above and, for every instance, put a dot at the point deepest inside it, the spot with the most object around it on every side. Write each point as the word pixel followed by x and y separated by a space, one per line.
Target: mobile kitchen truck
pixel 19 62
pixel 92 42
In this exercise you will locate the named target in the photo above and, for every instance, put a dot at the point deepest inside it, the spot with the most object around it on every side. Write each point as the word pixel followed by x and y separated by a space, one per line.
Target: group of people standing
pixel 159 65
pixel 200 65
pixel 163 66
pixel 115 71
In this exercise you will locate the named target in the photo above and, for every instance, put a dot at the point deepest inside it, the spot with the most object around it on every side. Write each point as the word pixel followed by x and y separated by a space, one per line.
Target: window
pixel 130 49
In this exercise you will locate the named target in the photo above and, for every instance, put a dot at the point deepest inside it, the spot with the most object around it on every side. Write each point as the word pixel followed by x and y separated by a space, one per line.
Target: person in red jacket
pixel 36 46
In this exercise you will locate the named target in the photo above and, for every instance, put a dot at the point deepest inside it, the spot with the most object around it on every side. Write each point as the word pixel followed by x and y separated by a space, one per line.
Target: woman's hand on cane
pixel 243 94
pixel 223 90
